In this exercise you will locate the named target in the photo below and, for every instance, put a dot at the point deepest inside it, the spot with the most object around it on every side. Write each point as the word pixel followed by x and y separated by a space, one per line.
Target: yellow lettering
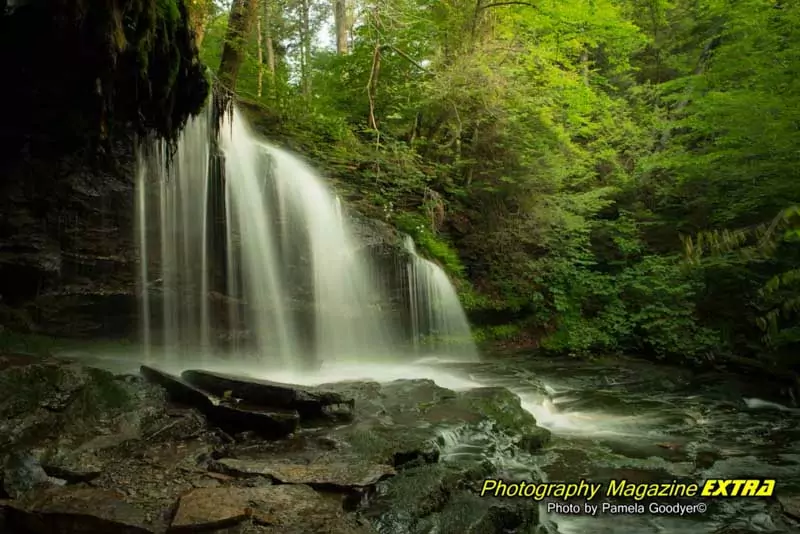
pixel 708 487
pixel 767 488
pixel 502 487
pixel 736 487
pixel 750 488
pixel 488 485
pixel 615 488
pixel 722 488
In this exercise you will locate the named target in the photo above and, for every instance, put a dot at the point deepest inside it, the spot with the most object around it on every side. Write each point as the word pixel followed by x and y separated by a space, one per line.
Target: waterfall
pixel 245 251
pixel 438 322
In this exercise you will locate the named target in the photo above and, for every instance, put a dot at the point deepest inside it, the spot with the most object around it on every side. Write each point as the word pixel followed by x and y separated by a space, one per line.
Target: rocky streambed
pixel 87 451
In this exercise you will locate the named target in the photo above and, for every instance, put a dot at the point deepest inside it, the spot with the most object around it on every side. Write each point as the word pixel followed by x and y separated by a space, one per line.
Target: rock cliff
pixel 76 99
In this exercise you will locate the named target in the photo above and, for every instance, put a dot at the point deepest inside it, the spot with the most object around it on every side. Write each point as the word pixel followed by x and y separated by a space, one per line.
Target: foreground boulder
pixel 230 415
pixel 309 402
pixel 405 421
pixel 443 498
pixel 76 510
pixel 128 460
pixel 393 463
pixel 322 474
pixel 63 417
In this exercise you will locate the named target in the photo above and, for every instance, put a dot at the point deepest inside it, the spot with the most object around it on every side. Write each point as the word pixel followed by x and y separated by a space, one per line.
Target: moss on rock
pixel 441 498
pixel 401 422
pixel 96 71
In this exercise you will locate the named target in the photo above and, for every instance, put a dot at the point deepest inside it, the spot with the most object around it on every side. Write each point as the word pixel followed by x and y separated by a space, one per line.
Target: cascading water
pixel 438 321
pixel 172 229
pixel 243 246
pixel 290 287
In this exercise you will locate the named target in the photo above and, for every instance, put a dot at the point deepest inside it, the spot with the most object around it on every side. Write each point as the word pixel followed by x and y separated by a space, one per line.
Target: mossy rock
pixel 401 422
pixel 498 407
pixel 440 498
pixel 390 444
pixel 468 513
pixel 48 385
pixel 404 502
pixel 66 412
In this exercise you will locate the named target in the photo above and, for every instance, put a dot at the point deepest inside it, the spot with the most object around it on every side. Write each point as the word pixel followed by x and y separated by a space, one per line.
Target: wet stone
pixel 209 509
pixel 309 402
pixel 442 498
pixel 75 510
pixel 178 390
pixel 393 445
pixel 333 475
pixel 468 513
pixel 66 420
pixel 230 416
pixel 23 473
pixel 285 509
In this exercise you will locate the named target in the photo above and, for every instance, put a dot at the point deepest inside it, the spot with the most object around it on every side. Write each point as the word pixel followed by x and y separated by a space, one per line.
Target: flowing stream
pixel 634 420
pixel 623 419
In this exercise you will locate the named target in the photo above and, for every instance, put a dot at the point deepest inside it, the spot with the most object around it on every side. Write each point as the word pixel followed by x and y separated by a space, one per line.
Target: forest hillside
pixel 599 176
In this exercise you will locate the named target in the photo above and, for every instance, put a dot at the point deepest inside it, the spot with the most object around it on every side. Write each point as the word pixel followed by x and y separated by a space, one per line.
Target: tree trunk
pixel 340 18
pixel 306 49
pixel 585 67
pixel 270 54
pixel 268 41
pixel 240 24
pixel 198 18
pixel 260 56
pixel 350 20
pixel 199 29
pixel 372 85
pixel 269 46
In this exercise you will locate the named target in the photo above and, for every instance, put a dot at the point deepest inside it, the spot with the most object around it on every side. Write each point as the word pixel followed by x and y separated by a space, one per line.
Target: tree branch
pixel 406 57
pixel 501 4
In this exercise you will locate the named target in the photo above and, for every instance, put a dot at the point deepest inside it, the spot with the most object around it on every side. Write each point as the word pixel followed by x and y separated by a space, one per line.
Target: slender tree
pixel 240 24
pixel 342 26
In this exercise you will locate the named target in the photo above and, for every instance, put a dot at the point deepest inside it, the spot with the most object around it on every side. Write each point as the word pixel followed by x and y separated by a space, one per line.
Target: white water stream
pixel 247 247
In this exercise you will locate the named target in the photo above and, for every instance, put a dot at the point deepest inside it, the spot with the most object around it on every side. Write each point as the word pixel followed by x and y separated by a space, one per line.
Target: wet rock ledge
pixel 82 450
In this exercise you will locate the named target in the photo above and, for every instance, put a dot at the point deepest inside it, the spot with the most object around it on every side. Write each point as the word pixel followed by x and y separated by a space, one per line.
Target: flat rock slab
pixel 178 390
pixel 73 510
pixel 232 416
pixel 210 509
pixel 333 475
pixel 288 509
pixel 309 402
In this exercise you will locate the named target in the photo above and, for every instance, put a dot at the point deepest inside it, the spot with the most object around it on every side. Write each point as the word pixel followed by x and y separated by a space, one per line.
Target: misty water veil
pixel 243 246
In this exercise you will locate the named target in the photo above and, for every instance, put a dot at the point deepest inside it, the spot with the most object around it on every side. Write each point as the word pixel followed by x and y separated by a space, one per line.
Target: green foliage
pixel 483 334
pixel 428 243
pixel 558 159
